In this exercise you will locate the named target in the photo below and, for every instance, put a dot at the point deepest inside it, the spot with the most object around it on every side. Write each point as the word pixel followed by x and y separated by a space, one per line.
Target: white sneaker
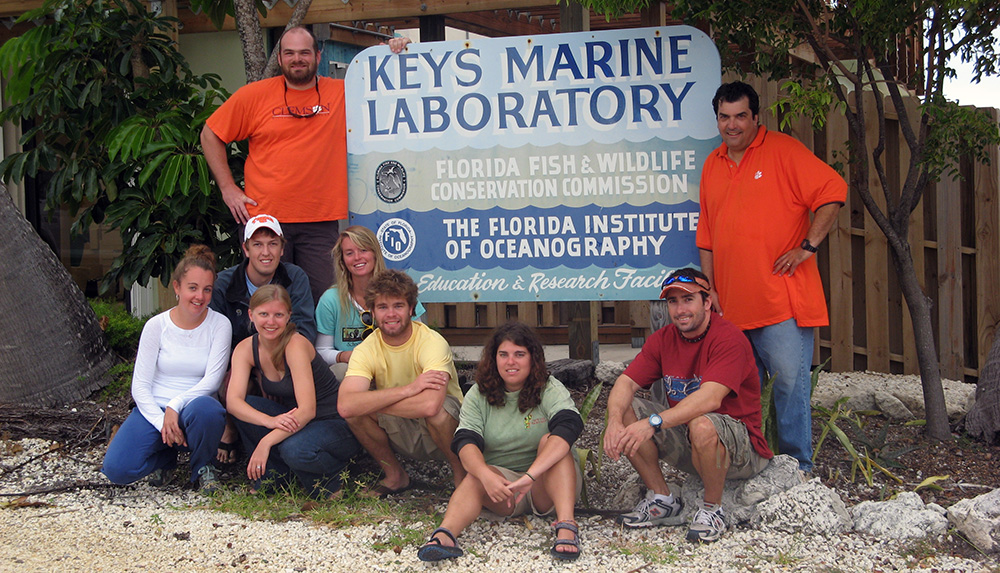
pixel 651 511
pixel 707 526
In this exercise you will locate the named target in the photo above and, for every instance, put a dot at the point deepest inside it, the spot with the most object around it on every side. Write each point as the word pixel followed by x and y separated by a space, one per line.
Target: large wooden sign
pixel 556 167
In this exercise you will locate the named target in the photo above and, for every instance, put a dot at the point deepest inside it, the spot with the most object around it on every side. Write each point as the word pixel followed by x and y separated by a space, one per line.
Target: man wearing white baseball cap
pixel 704 416
pixel 263 245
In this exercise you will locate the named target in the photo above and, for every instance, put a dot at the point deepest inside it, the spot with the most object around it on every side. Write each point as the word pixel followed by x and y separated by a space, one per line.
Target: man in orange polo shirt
pixel 296 170
pixel 757 247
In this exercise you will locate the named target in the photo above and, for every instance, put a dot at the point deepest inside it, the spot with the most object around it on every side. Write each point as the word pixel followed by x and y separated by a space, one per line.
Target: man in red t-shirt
pixel 704 416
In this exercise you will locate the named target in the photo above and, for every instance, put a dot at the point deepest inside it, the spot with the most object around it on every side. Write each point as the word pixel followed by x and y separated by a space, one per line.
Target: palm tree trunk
pixel 53 350
pixel 251 38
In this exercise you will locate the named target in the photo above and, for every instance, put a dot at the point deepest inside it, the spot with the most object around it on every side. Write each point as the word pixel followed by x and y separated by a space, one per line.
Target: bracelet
pixel 531 476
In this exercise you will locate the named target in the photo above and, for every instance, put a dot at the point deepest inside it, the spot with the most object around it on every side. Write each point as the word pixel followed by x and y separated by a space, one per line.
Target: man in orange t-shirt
pixel 296 170
pixel 757 243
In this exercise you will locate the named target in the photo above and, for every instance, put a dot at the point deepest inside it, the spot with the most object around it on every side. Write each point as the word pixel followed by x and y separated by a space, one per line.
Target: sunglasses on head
pixel 684 279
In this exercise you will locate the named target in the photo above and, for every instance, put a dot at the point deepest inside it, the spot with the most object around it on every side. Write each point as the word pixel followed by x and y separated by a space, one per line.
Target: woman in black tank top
pixel 295 429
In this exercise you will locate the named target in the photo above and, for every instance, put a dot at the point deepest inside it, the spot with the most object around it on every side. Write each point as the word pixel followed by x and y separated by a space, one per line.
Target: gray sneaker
pixel 160 477
pixel 707 526
pixel 651 511
pixel 207 482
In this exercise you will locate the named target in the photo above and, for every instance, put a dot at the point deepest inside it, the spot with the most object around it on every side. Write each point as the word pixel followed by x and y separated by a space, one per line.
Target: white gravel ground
pixel 141 528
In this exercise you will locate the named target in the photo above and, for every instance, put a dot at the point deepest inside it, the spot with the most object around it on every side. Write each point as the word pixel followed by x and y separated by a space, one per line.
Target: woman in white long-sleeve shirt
pixel 183 354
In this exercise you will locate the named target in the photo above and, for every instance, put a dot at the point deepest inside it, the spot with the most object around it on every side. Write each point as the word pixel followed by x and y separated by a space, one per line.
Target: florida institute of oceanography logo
pixel 390 181
pixel 397 239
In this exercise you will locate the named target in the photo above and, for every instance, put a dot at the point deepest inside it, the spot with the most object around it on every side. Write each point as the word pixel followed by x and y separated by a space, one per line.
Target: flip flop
pixel 575 542
pixel 230 449
pixel 433 550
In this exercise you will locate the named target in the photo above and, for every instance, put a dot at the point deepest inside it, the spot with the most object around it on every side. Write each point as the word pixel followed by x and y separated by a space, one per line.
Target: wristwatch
pixel 808 246
pixel 656 421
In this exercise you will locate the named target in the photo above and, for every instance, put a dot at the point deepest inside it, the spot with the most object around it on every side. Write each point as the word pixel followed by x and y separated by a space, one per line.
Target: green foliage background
pixel 112 118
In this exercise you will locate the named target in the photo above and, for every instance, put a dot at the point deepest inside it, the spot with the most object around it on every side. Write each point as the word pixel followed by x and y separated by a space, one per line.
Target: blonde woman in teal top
pixel 342 322
pixel 515 438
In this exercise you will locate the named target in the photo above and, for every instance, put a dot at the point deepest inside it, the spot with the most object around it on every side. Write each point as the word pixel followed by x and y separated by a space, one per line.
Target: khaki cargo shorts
pixel 674 445
pixel 411 439
pixel 521 507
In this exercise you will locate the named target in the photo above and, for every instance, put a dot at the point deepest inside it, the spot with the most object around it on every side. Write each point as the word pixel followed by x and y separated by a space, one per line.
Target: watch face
pixel 655 420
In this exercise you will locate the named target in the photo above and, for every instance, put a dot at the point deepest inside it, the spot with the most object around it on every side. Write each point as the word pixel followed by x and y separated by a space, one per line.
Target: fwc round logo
pixel 397 239
pixel 390 181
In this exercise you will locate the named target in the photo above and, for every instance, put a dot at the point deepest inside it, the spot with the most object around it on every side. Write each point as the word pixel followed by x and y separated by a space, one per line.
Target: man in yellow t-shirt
pixel 414 406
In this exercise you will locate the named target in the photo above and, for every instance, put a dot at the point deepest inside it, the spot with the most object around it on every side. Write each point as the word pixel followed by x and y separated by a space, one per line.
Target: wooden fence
pixel 954 236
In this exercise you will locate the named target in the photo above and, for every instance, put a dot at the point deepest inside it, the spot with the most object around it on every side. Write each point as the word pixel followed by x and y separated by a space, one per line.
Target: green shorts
pixel 411 439
pixel 674 445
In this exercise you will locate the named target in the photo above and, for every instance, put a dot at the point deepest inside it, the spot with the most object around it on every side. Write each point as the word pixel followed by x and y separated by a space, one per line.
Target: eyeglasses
pixel 315 109
pixel 685 279
pixel 369 321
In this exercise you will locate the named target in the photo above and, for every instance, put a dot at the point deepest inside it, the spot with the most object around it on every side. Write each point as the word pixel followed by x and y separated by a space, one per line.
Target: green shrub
pixel 121 381
pixel 121 328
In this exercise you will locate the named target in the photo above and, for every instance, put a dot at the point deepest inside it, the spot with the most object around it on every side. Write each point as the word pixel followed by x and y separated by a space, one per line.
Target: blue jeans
pixel 785 351
pixel 138 449
pixel 316 453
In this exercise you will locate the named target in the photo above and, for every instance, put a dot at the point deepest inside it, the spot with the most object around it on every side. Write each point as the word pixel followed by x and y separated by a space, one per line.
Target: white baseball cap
pixel 261 221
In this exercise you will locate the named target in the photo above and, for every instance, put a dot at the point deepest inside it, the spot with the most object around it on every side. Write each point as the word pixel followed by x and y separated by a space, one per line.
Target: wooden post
pixel 583 315
pixel 583 342
pixel 841 295
pixel 573 17
pixel 949 262
pixel 654 15
pixel 431 28
pixel 987 250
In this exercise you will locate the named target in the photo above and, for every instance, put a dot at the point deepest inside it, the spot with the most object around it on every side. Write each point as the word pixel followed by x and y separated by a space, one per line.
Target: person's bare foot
pixel 227 445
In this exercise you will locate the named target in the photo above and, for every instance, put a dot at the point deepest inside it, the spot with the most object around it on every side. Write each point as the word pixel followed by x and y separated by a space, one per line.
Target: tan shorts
pixel 522 506
pixel 411 439
pixel 674 446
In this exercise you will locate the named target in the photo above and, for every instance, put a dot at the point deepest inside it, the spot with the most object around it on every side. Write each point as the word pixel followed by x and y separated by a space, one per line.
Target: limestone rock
pixel 978 519
pixel 892 407
pixel 574 374
pixel 608 371
pixel 629 493
pixel 740 496
pixel 810 508
pixel 861 387
pixel 903 518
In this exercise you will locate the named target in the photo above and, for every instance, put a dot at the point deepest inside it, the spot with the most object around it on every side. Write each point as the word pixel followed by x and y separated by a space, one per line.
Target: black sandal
pixel 232 456
pixel 433 550
pixel 575 542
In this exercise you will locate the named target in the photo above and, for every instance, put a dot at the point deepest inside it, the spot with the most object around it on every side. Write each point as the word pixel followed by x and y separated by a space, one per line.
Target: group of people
pixel 306 375
pixel 297 420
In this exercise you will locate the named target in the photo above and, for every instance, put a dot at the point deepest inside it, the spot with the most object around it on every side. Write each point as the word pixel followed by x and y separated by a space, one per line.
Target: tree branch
pixel 817 33
pixel 296 19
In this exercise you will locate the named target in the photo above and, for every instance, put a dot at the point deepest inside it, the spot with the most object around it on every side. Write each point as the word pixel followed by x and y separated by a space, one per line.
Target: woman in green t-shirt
pixel 515 438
